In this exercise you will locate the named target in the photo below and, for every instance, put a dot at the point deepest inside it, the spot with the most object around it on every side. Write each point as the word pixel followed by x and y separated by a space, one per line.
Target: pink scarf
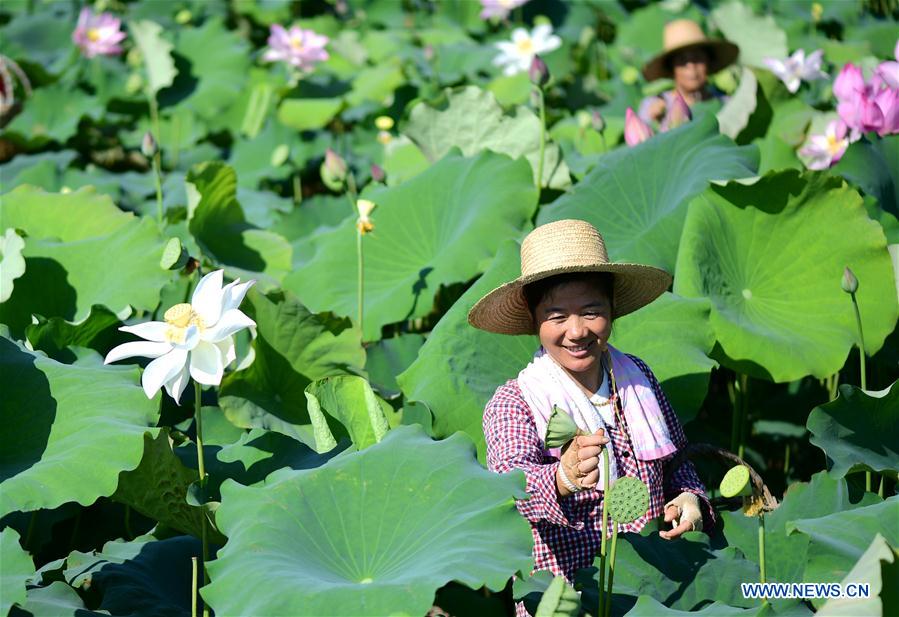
pixel 544 383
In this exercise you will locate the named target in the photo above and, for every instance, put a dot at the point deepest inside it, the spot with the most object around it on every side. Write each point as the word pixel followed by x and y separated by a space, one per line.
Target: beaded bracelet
pixel 571 486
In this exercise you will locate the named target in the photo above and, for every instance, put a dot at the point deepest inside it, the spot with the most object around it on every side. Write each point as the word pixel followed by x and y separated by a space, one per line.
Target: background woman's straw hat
pixel 683 34
pixel 558 248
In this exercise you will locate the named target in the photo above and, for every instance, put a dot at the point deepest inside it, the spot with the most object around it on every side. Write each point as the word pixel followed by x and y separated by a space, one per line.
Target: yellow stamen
pixel 525 46
pixel 180 315
pixel 93 35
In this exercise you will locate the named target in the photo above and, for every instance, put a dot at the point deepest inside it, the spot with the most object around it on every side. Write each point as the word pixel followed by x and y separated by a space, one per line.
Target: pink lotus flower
pixel 98 35
pixel 301 49
pixel 678 113
pixel 866 106
pixel 797 68
pixel 825 150
pixel 499 8
pixel 889 71
pixel 635 130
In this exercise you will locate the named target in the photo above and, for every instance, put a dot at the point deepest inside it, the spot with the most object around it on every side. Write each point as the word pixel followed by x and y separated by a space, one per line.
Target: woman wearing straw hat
pixel 568 294
pixel 688 57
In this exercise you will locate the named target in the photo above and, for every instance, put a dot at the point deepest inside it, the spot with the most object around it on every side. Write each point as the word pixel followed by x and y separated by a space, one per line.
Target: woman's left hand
pixel 683 514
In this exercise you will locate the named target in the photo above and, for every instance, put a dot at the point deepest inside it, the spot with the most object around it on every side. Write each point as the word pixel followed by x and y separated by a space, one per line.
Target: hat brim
pixel 505 310
pixel 724 53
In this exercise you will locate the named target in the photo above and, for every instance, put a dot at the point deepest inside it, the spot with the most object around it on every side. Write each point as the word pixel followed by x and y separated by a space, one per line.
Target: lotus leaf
pixel 17 567
pixel 55 600
pixel 858 430
pixel 777 307
pixel 440 227
pixel 388 358
pixel 637 197
pixel 786 554
pixel 838 540
pixel 351 401
pixel 757 37
pixel 86 424
pixel 559 600
pixel 218 223
pixel 54 335
pixel 64 274
pixel 473 121
pixel 52 114
pixel 878 567
pixel 157 54
pixel 293 348
pixel 459 367
pixel 872 166
pixel 351 541
pixel 672 335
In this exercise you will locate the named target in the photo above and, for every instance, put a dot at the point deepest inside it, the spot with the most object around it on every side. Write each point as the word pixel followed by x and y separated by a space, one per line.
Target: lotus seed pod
pixel 174 255
pixel 736 482
pixel 560 429
pixel 627 499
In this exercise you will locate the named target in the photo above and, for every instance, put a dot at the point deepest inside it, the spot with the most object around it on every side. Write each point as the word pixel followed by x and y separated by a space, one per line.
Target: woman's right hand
pixel 580 458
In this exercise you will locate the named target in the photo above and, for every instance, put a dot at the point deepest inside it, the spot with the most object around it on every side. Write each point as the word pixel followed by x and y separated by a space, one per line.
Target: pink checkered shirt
pixel 566 530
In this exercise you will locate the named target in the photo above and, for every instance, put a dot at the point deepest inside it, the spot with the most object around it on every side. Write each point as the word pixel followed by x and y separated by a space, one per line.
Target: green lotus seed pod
pixel 174 256
pixel 736 482
pixel 560 429
pixel 627 499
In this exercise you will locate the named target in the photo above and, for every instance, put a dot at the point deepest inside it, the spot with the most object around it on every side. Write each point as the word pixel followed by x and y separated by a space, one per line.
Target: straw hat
pixel 558 248
pixel 684 34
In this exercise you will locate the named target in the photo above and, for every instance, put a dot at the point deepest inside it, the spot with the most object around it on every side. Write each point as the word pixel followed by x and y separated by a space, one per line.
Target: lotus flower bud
pixel 333 170
pixel 635 130
pixel 849 284
pixel 678 113
pixel 538 72
pixel 148 146
pixel 599 123
pixel 377 173
pixel 560 429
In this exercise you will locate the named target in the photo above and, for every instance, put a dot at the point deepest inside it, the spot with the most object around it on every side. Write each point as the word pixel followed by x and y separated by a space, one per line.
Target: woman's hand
pixel 683 514
pixel 580 458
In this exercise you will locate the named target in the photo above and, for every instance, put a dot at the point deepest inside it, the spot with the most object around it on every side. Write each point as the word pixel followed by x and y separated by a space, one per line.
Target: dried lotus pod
pixel 560 429
pixel 627 499
pixel 736 482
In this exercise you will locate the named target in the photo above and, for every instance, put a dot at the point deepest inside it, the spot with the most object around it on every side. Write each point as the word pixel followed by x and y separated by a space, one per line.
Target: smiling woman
pixel 569 293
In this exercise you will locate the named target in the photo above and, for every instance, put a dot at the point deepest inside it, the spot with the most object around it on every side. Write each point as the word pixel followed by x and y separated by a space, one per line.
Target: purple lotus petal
pixel 98 35
pixel 299 48
pixel 635 130
pixel 849 83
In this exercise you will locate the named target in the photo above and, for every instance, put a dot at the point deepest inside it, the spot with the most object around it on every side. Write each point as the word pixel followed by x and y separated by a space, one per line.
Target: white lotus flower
pixel 516 56
pixel 797 68
pixel 195 340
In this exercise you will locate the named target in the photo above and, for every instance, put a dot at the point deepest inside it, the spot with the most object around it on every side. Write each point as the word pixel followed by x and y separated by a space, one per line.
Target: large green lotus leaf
pixel 858 430
pixel 459 367
pixel 877 567
pixel 41 36
pixel 437 228
pixel 351 538
pixel 837 541
pixel 308 114
pixel 874 167
pixel 350 400
pixel 473 121
pixel 770 257
pixel 637 197
pixel 254 158
pixel 758 37
pixel 293 348
pixel 69 429
pixel 220 76
pixel 52 114
pixel 786 554
pixel 672 335
pixel 735 115
pixel 309 218
pixel 45 170
pixel 157 54
pixel 650 607
pixel 81 251
pixel 376 84
pixel 17 567
pixel 218 224
pixel 55 600
pixel 157 487
pixel 388 358
pixel 145 577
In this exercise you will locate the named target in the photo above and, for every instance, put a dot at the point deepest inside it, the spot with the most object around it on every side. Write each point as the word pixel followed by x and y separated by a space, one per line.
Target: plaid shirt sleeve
pixel 513 443
pixel 685 478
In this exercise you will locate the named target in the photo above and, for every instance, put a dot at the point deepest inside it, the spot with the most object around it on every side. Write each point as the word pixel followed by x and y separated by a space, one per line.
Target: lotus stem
pixel 360 287
pixel 198 415
pixel 861 343
pixel 744 415
pixel 157 176
pixel 542 105
pixel 193 587
pixel 608 603
pixel 787 461
pixel 128 532
pixel 605 529
pixel 735 416
pixel 351 192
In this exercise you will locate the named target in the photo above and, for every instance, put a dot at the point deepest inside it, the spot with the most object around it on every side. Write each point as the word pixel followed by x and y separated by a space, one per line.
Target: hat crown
pixel 681 33
pixel 569 244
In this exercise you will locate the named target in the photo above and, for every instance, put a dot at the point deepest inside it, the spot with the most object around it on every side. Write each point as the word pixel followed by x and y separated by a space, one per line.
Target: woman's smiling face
pixel 574 323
